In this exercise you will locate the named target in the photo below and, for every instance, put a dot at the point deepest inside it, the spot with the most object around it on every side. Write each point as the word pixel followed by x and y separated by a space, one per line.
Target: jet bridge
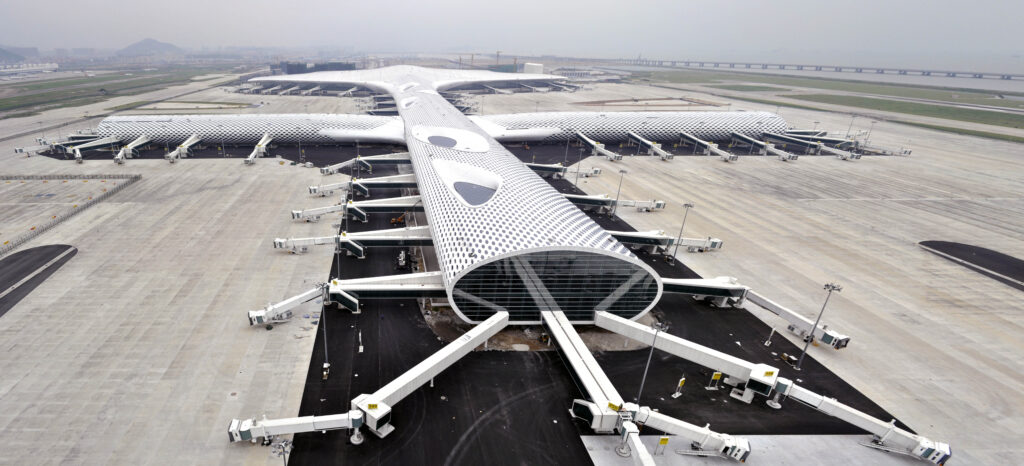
pixel 282 311
pixel 373 410
pixel 535 88
pixel 817 145
pixel 324 190
pixel 651 146
pixel 706 147
pixel 842 154
pixel 360 210
pixel 763 148
pixel 799 324
pixel 655 239
pixel 270 90
pixel 311 90
pixel 548 170
pixel 252 429
pixel 367 162
pixel 724 291
pixel 363 185
pixel 289 90
pixel 806 132
pixel 603 202
pixel 356 243
pixel 838 143
pixel 129 151
pixel 762 379
pixel 102 142
pixel 260 150
pixel 377 406
pixel 183 149
pixel 809 147
pixel 721 291
pixel 588 374
pixel 596 148
pixel 347 293
pixel 606 412
pixel 496 90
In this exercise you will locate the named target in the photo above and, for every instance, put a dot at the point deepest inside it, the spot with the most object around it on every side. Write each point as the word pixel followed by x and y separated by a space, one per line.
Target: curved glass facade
pixel 577 283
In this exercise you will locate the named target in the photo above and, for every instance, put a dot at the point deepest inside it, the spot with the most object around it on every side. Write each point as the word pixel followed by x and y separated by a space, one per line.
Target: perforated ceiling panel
pixel 657 126
pixel 238 129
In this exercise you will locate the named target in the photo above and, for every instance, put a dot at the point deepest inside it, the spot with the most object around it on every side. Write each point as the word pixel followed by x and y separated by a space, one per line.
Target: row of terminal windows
pixel 577 283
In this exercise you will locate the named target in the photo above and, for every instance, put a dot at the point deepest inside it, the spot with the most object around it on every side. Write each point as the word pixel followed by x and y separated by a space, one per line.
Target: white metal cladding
pixel 238 129
pixel 525 214
pixel 606 127
pixel 657 126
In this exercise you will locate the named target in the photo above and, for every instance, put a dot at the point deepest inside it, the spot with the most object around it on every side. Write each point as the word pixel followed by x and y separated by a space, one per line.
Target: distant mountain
pixel 10 57
pixel 146 47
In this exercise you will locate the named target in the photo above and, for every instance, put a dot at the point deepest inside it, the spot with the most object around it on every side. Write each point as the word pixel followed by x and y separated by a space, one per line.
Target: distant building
pixel 301 67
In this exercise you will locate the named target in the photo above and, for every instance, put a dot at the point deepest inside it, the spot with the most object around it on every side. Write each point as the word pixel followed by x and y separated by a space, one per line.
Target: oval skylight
pixel 443 141
pixel 474 194
pixel 473 186
pixel 451 138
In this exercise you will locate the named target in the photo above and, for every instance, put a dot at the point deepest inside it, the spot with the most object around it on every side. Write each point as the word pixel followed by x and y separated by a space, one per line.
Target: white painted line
pixel 970 265
pixel 36 272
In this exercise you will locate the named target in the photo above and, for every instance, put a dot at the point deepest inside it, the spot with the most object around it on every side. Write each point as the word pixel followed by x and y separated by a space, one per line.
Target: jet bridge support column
pixel 260 150
pixel 376 406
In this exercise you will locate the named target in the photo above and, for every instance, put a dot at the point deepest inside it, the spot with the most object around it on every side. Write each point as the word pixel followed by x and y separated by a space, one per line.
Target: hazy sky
pixel 940 33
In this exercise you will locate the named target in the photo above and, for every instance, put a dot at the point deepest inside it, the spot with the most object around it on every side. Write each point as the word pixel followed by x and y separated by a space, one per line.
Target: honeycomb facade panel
pixel 656 126
pixel 240 129
pixel 519 237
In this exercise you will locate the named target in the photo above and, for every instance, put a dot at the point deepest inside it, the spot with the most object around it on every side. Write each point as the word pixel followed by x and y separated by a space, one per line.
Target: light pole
pixel 852 117
pixel 579 166
pixel 816 125
pixel 830 287
pixel 658 327
pixel 868 138
pixel 565 160
pixel 615 207
pixel 679 239
pixel 323 323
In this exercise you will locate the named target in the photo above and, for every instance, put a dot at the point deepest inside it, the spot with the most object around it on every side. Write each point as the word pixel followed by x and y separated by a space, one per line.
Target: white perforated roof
pixel 525 213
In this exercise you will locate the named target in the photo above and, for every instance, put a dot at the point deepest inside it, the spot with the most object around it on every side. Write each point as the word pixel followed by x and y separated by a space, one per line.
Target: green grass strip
pixel 1009 120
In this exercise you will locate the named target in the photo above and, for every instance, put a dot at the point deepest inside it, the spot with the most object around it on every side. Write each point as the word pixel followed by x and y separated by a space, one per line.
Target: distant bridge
pixel 796 67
